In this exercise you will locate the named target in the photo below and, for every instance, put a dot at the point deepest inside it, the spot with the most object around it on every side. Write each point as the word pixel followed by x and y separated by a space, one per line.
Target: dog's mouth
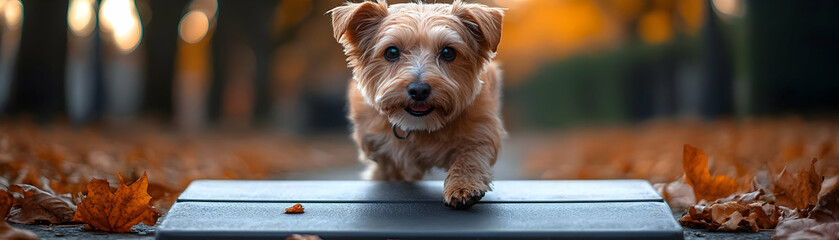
pixel 419 110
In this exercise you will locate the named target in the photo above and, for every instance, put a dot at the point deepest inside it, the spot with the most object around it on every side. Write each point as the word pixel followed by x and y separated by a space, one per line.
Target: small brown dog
pixel 425 70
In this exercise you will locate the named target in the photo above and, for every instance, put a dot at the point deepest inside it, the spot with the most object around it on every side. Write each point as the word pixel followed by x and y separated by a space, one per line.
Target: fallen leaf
pixel 6 230
pixel 821 231
pixel 829 184
pixel 297 208
pixel 119 211
pixel 822 221
pixel 797 190
pixel 789 227
pixel 721 212
pixel 744 198
pixel 827 209
pixel 33 205
pixel 13 233
pixel 705 186
pixel 679 195
pixel 736 222
pixel 763 220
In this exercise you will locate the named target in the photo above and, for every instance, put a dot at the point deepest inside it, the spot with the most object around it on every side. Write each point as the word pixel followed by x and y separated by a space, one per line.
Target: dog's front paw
pixel 463 196
pixel 464 200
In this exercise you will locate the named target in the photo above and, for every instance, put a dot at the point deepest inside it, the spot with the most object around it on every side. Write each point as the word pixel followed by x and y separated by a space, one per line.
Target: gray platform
pixel 210 209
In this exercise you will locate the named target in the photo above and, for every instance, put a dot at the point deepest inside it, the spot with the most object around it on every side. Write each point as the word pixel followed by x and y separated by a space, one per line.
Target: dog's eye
pixel 391 54
pixel 448 54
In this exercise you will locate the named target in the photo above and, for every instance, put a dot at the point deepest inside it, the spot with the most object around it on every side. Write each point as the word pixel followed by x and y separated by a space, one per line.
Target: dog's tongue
pixel 420 108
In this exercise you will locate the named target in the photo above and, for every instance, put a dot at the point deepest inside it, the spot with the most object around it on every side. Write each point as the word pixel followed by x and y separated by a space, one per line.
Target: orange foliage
pixel 542 31
pixel 799 189
pixel 705 186
pixel 117 211
pixel 654 27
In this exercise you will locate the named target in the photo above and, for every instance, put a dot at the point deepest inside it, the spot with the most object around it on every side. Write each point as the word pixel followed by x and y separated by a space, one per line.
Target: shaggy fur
pixel 463 132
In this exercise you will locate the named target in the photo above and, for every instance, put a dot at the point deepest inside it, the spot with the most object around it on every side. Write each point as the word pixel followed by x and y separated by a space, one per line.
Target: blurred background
pixel 188 89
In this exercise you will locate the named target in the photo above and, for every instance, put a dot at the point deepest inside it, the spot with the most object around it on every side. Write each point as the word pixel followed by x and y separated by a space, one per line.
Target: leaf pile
pixel 117 211
pixel 744 212
pixel 822 222
pixel 759 174
pixel 738 149
pixel 48 171
pixel 792 209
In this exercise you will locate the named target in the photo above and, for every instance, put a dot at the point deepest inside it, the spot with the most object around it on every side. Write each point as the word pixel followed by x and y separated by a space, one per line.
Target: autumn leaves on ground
pixel 745 175
pixel 63 175
pixel 757 175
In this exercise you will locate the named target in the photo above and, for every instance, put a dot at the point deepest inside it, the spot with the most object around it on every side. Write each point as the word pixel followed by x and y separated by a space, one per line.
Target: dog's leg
pixel 382 170
pixel 469 177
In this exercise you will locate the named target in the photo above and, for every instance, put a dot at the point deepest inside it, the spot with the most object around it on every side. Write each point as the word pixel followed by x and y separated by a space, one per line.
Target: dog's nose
pixel 419 91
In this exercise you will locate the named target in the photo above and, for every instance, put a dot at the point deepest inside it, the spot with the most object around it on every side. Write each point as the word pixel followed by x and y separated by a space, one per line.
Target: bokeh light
pixel 80 17
pixel 729 8
pixel 12 13
pixel 655 27
pixel 193 27
pixel 122 21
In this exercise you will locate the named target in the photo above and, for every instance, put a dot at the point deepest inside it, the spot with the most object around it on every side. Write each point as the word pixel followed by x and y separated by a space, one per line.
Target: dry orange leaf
pixel 119 211
pixel 797 190
pixel 297 208
pixel 32 205
pixel 697 175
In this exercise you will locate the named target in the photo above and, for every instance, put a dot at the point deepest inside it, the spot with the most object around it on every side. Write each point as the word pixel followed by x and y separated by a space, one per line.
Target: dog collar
pixel 397 134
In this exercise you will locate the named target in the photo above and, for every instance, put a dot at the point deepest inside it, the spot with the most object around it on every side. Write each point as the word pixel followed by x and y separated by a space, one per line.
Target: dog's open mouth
pixel 419 110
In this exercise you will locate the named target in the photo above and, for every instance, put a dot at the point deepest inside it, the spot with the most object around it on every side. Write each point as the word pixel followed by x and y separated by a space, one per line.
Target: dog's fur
pixel 463 132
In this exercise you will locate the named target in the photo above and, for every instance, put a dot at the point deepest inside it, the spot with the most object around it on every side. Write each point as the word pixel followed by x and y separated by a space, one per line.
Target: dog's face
pixel 418 64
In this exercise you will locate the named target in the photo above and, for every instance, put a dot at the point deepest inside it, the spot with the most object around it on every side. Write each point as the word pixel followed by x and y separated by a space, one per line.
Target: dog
pixel 424 92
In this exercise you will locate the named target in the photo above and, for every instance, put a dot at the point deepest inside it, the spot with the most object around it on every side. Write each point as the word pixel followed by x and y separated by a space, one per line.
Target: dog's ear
pixel 483 22
pixel 353 20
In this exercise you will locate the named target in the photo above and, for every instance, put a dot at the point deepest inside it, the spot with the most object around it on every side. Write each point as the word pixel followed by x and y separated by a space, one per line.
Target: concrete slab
pixel 424 191
pixel 397 210
pixel 209 220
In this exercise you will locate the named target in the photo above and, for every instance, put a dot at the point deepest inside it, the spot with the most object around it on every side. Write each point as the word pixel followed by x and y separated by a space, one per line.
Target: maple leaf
pixel 32 204
pixel 797 190
pixel 119 211
pixel 697 176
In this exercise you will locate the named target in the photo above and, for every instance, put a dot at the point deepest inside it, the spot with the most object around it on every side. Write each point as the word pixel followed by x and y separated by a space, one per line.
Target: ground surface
pixel 508 167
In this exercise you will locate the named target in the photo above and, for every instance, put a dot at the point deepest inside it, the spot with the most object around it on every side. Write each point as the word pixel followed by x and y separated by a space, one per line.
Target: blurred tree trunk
pixel 161 37
pixel 38 85
pixel 249 22
pixel 794 56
